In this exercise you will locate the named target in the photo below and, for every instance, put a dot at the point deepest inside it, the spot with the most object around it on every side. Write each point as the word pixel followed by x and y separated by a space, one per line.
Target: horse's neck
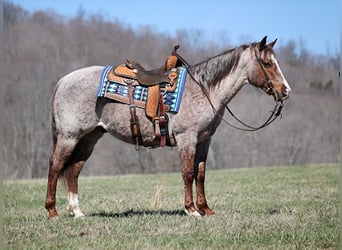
pixel 223 90
pixel 228 88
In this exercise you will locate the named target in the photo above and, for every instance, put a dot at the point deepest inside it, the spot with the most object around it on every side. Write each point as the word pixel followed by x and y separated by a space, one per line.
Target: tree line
pixel 41 47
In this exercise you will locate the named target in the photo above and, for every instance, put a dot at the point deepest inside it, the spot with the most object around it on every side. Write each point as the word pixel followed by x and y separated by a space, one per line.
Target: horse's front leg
pixel 202 150
pixel 187 151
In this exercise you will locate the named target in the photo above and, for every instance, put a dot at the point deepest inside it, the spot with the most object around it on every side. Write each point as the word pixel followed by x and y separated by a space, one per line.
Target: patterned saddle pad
pixel 119 92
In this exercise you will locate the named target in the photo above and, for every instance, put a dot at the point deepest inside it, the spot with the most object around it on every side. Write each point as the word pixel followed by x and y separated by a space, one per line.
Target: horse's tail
pixel 53 121
pixel 54 135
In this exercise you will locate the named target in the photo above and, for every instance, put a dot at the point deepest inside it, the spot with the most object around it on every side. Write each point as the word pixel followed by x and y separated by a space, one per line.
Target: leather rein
pixel 275 113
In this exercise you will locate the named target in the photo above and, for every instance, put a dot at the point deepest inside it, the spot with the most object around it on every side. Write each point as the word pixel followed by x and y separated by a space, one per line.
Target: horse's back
pixel 81 78
pixel 74 100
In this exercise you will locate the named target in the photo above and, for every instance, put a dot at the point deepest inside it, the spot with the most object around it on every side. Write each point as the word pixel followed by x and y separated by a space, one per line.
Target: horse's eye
pixel 267 64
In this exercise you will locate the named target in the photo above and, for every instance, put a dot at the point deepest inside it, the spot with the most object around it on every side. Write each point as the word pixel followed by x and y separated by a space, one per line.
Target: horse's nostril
pixel 286 94
pixel 286 91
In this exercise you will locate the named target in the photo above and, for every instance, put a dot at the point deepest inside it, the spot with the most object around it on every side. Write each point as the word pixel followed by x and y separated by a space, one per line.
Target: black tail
pixel 53 121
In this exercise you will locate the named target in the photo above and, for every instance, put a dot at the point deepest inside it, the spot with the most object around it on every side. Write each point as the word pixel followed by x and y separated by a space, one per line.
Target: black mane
pixel 211 71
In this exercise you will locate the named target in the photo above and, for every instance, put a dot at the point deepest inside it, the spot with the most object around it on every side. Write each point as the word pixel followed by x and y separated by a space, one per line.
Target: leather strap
pixel 162 122
pixel 135 127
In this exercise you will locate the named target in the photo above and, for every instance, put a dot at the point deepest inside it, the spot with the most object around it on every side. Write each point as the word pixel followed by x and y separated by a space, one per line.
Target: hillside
pixel 39 48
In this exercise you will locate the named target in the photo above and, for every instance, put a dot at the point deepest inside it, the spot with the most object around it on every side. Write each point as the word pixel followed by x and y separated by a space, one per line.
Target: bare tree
pixel 40 47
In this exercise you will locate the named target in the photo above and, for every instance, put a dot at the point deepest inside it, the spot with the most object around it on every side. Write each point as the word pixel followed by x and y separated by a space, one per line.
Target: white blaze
pixel 281 73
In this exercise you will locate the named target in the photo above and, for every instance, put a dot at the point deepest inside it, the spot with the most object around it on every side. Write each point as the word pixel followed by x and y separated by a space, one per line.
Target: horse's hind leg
pixel 74 166
pixel 62 150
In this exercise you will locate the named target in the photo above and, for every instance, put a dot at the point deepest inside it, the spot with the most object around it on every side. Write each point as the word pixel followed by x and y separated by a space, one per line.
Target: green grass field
pixel 259 208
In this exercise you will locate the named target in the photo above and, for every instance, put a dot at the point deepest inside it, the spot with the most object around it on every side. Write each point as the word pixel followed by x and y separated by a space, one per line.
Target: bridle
pixel 275 113
pixel 269 90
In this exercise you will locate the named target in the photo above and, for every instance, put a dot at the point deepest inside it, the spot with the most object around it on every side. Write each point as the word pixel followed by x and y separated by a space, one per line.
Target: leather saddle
pixel 157 81
pixel 147 78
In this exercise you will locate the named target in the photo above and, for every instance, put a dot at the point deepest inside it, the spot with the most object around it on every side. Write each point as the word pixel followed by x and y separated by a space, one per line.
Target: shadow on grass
pixel 131 213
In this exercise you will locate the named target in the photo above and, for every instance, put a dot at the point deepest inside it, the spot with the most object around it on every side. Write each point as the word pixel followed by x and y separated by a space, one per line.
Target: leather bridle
pixel 269 90
pixel 275 113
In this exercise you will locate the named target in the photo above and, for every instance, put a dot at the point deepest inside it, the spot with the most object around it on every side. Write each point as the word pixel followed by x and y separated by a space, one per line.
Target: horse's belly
pixel 116 119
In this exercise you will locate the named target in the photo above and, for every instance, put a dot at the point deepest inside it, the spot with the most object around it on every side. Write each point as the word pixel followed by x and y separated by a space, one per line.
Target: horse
pixel 79 118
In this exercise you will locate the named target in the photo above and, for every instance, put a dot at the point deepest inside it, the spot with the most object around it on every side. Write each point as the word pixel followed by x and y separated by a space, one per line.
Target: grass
pixel 260 208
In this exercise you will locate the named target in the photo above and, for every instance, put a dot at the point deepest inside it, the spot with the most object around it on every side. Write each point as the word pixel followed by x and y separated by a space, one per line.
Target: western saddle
pixel 157 82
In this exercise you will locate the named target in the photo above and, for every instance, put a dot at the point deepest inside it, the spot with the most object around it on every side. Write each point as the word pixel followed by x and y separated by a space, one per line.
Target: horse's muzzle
pixel 279 94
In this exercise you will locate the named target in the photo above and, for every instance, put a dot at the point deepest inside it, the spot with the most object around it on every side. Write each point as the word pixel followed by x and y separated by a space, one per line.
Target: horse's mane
pixel 212 70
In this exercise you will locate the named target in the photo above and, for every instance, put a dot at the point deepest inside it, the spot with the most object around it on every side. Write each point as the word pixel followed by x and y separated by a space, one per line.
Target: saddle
pixel 157 81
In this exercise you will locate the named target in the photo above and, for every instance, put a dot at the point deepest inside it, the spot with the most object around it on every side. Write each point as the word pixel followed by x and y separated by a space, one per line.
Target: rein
pixel 274 113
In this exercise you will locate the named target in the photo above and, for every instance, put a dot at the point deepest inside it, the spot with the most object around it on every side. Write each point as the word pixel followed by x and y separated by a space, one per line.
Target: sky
pixel 313 23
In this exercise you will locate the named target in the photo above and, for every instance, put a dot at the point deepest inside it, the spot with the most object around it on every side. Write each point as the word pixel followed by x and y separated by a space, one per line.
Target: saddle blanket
pixel 172 99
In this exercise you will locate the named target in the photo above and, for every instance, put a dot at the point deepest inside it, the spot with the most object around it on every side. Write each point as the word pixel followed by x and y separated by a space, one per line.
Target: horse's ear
pixel 262 43
pixel 271 44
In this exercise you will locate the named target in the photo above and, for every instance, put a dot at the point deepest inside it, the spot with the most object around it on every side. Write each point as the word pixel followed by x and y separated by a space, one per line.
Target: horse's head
pixel 266 73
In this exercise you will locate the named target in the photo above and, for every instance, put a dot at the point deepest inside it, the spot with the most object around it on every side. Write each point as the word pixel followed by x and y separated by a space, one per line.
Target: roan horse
pixel 79 118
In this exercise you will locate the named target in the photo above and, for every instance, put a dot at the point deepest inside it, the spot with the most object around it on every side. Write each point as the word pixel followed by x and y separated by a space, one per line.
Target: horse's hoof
pixel 53 218
pixel 209 212
pixel 205 210
pixel 193 213
pixel 53 215
pixel 75 211
pixel 79 215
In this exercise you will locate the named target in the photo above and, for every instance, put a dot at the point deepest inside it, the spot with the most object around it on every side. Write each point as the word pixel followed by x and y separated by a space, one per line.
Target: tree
pixel 39 48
